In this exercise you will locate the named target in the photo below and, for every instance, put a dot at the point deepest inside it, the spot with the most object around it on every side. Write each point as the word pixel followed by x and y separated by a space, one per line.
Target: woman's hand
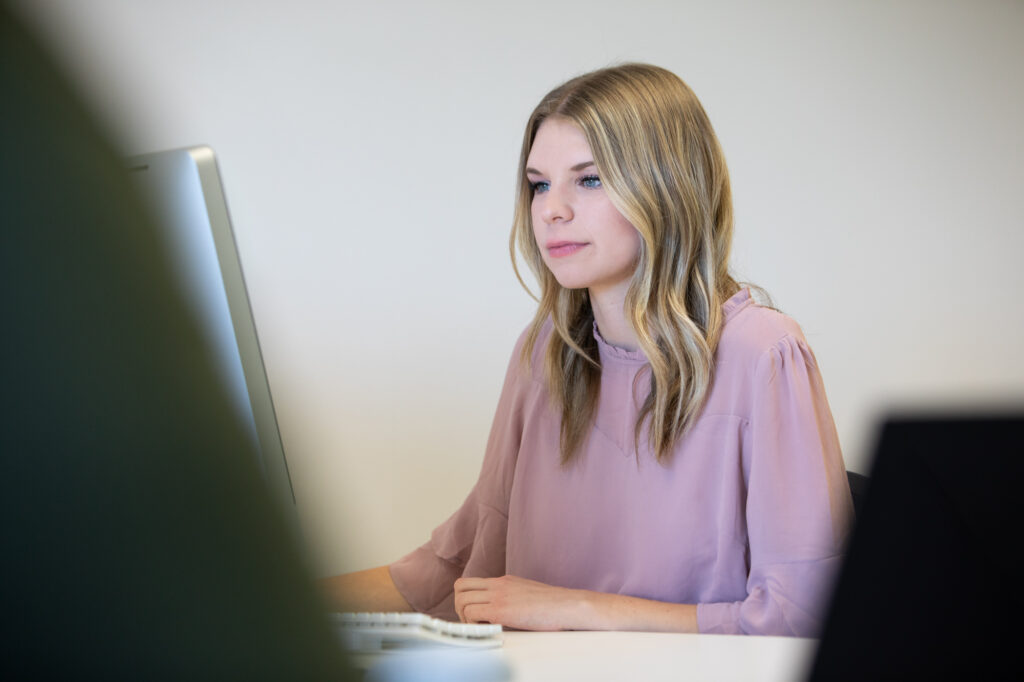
pixel 529 605
pixel 521 604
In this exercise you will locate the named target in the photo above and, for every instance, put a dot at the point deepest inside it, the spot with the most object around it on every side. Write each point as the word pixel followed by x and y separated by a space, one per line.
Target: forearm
pixel 369 590
pixel 530 605
pixel 602 611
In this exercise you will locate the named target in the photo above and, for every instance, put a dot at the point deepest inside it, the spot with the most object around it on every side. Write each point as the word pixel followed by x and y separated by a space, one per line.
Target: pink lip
pixel 563 249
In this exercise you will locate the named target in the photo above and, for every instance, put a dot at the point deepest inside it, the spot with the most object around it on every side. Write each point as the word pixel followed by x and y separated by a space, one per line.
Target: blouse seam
pixel 494 509
pixel 785 336
pixel 776 347
pixel 744 420
pixel 611 440
pixel 833 555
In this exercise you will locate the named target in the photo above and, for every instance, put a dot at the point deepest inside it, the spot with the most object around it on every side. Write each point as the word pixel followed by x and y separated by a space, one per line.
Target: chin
pixel 572 283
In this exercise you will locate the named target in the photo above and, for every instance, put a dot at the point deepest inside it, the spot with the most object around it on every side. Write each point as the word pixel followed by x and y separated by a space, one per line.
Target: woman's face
pixel 582 237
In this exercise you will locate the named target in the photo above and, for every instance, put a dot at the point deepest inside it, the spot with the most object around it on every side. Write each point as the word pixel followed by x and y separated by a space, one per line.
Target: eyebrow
pixel 577 167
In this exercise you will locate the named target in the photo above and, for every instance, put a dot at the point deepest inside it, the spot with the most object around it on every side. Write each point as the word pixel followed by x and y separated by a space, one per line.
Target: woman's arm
pixel 369 590
pixel 798 505
pixel 529 605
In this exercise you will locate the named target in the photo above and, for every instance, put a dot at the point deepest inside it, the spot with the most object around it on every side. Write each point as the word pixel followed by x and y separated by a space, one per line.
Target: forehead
pixel 558 143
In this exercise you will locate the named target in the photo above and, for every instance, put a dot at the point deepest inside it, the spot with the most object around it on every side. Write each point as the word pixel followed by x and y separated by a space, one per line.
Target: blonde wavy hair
pixel 663 169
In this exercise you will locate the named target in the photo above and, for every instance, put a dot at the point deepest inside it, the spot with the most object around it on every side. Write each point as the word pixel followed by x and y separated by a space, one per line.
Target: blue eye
pixel 540 186
pixel 590 181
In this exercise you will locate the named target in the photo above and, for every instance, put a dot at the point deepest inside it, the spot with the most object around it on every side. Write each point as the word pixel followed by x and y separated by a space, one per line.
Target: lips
pixel 563 249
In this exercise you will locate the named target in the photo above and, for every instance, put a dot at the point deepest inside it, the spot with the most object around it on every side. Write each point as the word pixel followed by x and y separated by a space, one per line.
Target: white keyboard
pixel 372 633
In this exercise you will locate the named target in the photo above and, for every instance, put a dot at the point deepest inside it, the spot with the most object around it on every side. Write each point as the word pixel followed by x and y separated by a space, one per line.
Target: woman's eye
pixel 590 181
pixel 540 186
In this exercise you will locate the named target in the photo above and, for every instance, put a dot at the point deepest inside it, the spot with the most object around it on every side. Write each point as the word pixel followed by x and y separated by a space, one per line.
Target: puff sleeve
pixel 798 506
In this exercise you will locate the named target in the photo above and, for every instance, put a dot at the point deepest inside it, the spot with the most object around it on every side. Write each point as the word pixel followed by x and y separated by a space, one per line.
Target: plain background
pixel 368 152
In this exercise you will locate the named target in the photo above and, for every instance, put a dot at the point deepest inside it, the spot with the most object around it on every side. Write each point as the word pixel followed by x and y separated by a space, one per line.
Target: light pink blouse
pixel 747 521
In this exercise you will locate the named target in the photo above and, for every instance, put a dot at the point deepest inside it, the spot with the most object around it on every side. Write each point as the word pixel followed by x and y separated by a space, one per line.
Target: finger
pixel 469 584
pixel 479 613
pixel 464 599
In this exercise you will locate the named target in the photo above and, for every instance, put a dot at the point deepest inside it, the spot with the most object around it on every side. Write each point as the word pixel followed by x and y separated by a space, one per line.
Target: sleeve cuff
pixel 719 619
pixel 426 581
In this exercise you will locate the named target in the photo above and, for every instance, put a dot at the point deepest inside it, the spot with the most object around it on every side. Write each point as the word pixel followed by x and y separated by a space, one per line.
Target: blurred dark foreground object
pixel 139 539
pixel 928 589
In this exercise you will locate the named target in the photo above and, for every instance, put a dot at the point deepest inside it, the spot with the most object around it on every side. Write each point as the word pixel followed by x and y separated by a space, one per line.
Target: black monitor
pixel 930 586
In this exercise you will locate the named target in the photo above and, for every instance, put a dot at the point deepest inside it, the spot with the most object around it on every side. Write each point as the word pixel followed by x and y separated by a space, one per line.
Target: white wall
pixel 368 151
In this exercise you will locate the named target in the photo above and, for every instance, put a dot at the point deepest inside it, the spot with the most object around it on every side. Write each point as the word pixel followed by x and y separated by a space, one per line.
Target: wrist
pixel 600 611
pixel 591 611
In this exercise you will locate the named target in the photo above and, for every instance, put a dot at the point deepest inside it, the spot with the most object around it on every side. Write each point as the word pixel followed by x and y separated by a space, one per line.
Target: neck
pixel 609 312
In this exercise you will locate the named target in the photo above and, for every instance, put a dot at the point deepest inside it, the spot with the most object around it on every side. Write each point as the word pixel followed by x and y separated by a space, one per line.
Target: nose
pixel 555 207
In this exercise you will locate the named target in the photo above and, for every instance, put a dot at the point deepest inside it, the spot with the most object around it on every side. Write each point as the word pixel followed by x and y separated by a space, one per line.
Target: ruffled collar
pixel 741 299
pixel 738 301
pixel 609 352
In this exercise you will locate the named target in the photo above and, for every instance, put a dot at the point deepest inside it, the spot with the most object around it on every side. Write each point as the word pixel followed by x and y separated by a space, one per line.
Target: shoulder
pixel 753 331
pixel 534 365
pixel 762 355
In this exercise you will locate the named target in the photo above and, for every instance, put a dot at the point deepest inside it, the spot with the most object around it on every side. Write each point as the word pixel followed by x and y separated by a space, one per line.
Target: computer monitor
pixel 186 194
pixel 928 588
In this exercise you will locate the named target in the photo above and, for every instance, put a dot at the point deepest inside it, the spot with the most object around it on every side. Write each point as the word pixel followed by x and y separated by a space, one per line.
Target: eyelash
pixel 591 179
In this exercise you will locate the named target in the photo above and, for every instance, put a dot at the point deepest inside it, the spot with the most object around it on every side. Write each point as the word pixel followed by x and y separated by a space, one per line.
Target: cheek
pixel 635 240
pixel 630 251
pixel 535 216
pixel 538 238
pixel 623 234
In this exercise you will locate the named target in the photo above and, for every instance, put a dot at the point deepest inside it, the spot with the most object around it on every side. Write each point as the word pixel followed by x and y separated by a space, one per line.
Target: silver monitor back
pixel 184 188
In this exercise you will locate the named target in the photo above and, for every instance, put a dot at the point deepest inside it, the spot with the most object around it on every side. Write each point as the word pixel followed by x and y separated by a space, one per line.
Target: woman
pixel 663 456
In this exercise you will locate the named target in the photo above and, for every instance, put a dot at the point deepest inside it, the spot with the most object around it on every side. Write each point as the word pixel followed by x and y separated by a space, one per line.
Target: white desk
pixel 650 657
pixel 603 657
